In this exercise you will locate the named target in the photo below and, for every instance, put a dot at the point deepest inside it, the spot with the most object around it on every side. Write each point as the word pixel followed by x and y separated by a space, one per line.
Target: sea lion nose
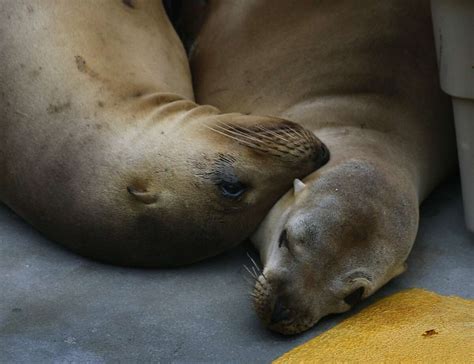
pixel 323 156
pixel 280 312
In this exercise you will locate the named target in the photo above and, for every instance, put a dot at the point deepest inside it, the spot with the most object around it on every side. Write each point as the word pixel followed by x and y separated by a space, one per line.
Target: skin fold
pixel 103 149
pixel 363 77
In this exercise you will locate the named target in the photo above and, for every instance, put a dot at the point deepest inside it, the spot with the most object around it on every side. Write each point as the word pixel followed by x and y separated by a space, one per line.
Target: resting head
pixel 212 183
pixel 331 242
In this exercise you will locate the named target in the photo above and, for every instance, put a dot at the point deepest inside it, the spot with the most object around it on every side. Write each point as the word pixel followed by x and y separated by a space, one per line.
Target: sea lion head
pixel 331 242
pixel 221 180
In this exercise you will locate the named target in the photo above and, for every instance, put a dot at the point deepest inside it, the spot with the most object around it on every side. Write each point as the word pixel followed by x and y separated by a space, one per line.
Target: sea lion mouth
pixel 293 328
pixel 275 314
pixel 272 310
pixel 278 316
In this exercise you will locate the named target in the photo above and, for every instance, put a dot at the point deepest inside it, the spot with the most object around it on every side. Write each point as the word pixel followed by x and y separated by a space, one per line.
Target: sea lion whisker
pixel 260 283
pixel 277 135
pixel 305 135
pixel 224 124
pixel 243 135
pixel 273 147
pixel 255 272
pixel 226 132
pixel 249 132
pixel 254 263
pixel 297 132
pixel 247 143
pixel 252 274
pixel 260 135
pixel 250 283
pixel 242 141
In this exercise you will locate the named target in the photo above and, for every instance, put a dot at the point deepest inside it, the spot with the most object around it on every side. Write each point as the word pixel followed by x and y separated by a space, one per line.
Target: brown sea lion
pixel 363 77
pixel 103 149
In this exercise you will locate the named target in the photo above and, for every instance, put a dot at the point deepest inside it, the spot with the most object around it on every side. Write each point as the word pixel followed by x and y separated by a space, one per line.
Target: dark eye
pixel 354 297
pixel 283 240
pixel 232 189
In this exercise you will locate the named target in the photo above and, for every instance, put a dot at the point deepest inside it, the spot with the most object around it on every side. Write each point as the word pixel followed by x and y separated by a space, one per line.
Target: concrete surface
pixel 56 307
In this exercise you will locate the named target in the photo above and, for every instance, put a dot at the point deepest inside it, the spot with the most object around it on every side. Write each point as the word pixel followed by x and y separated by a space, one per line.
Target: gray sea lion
pixel 363 77
pixel 103 149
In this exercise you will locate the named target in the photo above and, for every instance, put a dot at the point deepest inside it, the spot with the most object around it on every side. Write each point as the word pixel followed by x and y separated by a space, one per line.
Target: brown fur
pixel 102 147
pixel 363 77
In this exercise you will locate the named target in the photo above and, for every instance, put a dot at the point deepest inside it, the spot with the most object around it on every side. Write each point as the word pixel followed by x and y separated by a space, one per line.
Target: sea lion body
pixel 362 77
pixel 103 149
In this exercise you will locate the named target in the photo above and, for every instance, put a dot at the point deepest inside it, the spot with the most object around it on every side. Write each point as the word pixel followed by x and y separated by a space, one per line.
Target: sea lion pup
pixel 363 78
pixel 104 151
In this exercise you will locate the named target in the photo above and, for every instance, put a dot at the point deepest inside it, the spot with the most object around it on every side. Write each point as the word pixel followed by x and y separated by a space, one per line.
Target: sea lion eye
pixel 354 297
pixel 283 240
pixel 232 189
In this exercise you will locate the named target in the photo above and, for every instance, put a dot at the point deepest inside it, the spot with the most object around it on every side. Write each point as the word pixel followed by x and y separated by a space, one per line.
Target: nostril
pixel 323 156
pixel 355 297
pixel 280 312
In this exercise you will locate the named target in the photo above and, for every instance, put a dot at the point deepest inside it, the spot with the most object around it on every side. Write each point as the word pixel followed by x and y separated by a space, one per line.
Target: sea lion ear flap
pixel 142 195
pixel 298 186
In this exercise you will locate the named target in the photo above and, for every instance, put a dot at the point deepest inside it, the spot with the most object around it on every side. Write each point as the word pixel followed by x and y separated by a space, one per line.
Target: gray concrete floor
pixel 57 307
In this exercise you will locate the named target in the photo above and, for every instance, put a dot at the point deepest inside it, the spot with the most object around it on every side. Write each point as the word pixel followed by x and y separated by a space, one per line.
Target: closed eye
pixel 232 190
pixel 283 239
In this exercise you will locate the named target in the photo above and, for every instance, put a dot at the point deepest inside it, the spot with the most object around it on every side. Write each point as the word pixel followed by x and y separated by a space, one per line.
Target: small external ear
pixel 298 186
pixel 142 195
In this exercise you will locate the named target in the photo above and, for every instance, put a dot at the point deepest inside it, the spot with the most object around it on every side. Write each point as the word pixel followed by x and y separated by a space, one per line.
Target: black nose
pixel 323 156
pixel 280 312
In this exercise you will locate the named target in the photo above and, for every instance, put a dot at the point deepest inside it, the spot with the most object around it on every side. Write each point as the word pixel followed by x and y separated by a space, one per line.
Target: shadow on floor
pixel 56 306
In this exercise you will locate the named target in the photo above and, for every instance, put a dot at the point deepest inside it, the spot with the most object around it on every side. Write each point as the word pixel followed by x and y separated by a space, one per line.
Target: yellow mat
pixel 413 326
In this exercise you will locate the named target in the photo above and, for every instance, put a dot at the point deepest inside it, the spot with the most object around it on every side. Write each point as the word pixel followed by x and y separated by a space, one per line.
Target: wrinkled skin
pixel 364 79
pixel 103 149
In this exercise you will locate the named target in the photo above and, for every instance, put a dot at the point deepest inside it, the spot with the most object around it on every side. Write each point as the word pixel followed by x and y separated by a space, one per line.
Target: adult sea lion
pixel 363 77
pixel 103 149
